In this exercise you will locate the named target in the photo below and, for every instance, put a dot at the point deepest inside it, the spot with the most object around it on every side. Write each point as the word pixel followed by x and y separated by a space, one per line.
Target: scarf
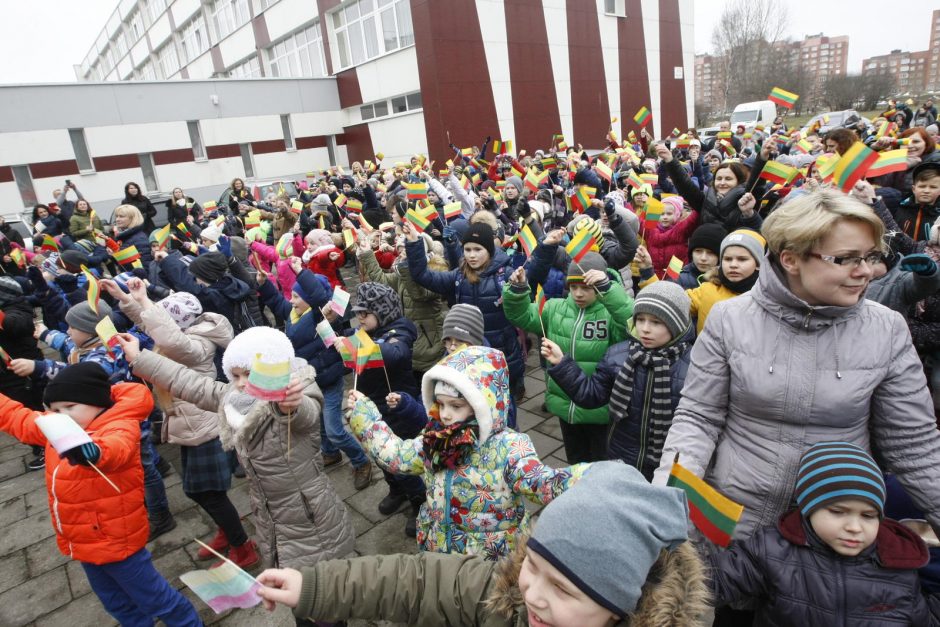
pixel 738 287
pixel 445 447
pixel 658 361
pixel 237 407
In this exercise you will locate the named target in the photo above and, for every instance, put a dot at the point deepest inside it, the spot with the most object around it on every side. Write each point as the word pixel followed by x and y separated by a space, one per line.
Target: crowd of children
pixel 643 298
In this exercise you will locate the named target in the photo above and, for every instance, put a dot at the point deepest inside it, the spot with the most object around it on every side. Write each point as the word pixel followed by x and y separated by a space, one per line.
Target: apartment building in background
pixel 914 73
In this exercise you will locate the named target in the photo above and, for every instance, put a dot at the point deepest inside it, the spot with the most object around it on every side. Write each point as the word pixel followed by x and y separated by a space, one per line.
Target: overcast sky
pixel 44 38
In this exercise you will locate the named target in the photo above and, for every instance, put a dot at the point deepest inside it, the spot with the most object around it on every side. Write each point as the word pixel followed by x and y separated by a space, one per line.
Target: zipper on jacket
pixel 809 314
pixel 447 519
pixel 644 420
pixel 55 502
pixel 574 335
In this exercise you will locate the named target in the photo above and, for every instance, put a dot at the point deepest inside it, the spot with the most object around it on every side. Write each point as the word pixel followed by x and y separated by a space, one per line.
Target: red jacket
pixel 662 245
pixel 93 523
pixel 320 263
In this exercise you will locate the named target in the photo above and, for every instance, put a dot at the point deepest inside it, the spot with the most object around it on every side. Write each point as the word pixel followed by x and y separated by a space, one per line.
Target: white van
pixel 751 114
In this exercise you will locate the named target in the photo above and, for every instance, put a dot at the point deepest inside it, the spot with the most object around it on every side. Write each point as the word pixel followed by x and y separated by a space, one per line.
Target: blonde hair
pixel 132 212
pixel 800 224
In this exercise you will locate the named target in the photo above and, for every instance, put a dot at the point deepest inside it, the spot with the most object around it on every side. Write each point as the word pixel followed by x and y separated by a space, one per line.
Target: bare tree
pixel 703 113
pixel 876 87
pixel 745 39
pixel 841 92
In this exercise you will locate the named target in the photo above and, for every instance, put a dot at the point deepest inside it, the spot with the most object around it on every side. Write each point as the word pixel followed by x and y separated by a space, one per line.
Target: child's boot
pixel 218 543
pixel 160 524
pixel 244 556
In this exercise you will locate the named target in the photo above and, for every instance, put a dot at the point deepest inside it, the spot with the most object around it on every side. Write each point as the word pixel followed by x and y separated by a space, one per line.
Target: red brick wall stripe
pixel 347 84
pixel 222 151
pixel 672 90
pixel 51 169
pixel 167 157
pixel 6 174
pixel 315 141
pixel 322 7
pixel 589 105
pixel 114 162
pixel 271 145
pixel 634 81
pixel 358 142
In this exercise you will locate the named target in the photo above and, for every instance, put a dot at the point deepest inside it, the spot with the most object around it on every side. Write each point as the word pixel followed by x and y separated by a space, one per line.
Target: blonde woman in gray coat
pixel 299 518
pixel 805 358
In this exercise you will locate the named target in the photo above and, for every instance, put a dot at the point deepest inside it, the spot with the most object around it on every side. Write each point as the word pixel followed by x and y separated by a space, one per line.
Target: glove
pixel 920 264
pixel 609 207
pixel 225 246
pixel 525 210
pixel 82 455
pixel 449 233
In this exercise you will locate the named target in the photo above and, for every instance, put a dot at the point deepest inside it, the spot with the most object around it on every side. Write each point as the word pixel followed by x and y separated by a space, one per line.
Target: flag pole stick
pixel 541 323
pixel 217 554
pixel 355 378
pixel 582 272
pixel 387 382
pixel 104 476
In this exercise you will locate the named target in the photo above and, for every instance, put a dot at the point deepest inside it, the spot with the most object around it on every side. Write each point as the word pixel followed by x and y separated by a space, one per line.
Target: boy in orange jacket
pixel 104 530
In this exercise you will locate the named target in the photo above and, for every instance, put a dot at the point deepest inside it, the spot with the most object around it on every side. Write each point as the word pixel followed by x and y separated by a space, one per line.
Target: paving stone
pixel 366 502
pixel 259 617
pixel 86 610
pixel 13 570
pixel 386 538
pixel 557 459
pixel 23 484
pixel 360 523
pixel 175 563
pixel 25 532
pixel 544 445
pixel 12 510
pixel 20 451
pixel 12 468
pixel 534 405
pixel 534 388
pixel 526 420
pixel 36 501
pixel 192 523
pixel 78 581
pixel 551 428
pixel 34 598
pixel 44 556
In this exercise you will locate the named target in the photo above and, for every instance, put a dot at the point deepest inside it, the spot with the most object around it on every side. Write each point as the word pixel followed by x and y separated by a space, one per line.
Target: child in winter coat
pixel 704 248
pixel 591 319
pixel 670 236
pixel 741 254
pixel 301 315
pixel 920 210
pixel 641 378
pixel 322 256
pixel 565 575
pixel 105 531
pixel 835 559
pixel 298 517
pixel 278 257
pixel 477 471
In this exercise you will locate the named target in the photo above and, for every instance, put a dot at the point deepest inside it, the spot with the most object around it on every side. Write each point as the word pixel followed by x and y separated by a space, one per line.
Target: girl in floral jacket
pixel 476 470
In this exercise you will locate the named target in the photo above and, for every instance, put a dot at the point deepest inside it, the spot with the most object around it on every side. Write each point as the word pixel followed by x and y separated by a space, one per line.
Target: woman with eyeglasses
pixel 803 358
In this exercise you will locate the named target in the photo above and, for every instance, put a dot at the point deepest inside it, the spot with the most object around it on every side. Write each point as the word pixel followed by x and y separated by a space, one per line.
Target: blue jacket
pixel 628 434
pixel 395 340
pixel 302 332
pixel 220 297
pixel 135 236
pixel 409 418
pixel 487 294
pixel 689 277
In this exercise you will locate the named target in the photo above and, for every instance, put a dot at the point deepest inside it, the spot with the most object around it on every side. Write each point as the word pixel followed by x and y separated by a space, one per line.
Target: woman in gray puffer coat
pixel 297 514
pixel 804 358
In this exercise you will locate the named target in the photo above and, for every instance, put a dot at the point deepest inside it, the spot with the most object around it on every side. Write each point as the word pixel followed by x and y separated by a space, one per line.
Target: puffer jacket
pixel 136 237
pixel 395 338
pixel 285 274
pixel 915 220
pixel 629 438
pixel 221 297
pixel 477 508
pixel 798 580
pixel 771 376
pixel 665 244
pixel 93 523
pixel 299 519
pixel 196 348
pixel 689 277
pixel 81 226
pixel 426 309
pixel 722 210
pixel 430 589
pixel 302 330
pixel 899 289
pixel 583 334
pixel 16 338
pixel 486 294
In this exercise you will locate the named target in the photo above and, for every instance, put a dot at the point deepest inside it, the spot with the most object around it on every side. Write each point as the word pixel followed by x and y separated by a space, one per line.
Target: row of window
pixel 392 106
pixel 361 30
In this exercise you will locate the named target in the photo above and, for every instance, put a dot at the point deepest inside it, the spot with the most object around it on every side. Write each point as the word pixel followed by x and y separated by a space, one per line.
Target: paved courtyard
pixel 41 587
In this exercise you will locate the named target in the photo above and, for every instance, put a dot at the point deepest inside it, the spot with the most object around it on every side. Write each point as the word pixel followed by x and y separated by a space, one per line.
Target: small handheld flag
pixel 354 205
pixel 107 332
pixel 712 513
pixel 853 165
pixel 64 434
pixel 674 268
pixel 452 210
pixel 127 255
pixel 528 240
pixel 777 172
pixel 580 245
pixel 94 292
pixel 417 191
pixel 49 244
pixel 340 200
pixel 783 97
pixel 642 117
pixel 326 333
pixel 889 161
pixel 296 207
pixel 654 211
pixel 223 587
pixel 268 381
pixel 163 236
pixel 340 300
pixel 18 257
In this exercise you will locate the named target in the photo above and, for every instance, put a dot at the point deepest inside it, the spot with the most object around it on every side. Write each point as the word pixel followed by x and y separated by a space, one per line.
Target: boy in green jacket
pixel 649 576
pixel 591 319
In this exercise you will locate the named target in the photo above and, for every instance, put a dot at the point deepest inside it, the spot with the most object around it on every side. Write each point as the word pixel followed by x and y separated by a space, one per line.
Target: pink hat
pixel 676 204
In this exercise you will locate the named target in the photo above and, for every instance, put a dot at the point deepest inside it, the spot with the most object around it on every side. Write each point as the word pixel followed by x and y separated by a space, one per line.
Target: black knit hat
pixel 85 383
pixel 707 236
pixel 834 471
pixel 210 267
pixel 481 234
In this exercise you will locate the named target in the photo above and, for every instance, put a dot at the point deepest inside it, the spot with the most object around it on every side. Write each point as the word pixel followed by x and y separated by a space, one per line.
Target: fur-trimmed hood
pixel 676 592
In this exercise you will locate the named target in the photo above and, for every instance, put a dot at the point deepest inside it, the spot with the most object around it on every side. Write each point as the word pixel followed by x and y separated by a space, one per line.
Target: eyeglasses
pixel 871 259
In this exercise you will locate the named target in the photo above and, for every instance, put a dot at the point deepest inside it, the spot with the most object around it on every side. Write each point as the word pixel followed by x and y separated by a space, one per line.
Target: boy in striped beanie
pixel 835 559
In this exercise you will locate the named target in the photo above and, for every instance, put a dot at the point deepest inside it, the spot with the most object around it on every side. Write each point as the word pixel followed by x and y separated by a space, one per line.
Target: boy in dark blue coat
pixel 835 560
pixel 310 294
pixel 640 379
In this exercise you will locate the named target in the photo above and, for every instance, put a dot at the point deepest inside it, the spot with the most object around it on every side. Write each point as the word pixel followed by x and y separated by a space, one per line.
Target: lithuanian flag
pixel 712 513
pixel 452 210
pixel 417 191
pixel 162 236
pixel 604 171
pixel 18 257
pixel 549 163
pixel 340 200
pixel 634 179
pixel 528 240
pixel 353 205
pixel 826 165
pixel 296 207
pixel 184 230
pixel 5 356
pixel 642 117
pixel 889 161
pixel 853 165
pixel 94 292
pixel 777 172
pixel 540 299
pixel 650 179
pixel 803 146
pixel 654 211
pixel 581 199
pixel 674 268
pixel 347 350
pixel 368 353
pixel 49 244
pixel 580 245
pixel 782 97
pixel 127 255
pixel 209 205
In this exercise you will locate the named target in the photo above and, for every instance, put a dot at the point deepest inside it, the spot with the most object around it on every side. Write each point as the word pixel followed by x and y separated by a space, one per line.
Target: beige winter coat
pixel 194 348
pixel 298 517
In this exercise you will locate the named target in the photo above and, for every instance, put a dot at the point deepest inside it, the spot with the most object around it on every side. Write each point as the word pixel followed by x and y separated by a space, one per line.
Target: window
pixel 136 26
pixel 120 44
pixel 400 104
pixel 381 108
pixel 414 101
pixel 169 61
pixel 155 9
pixel 615 7
pixel 249 68
pixel 366 29
pixel 194 39
pixel 229 15
pixel 195 138
pixel 247 160
pixel 24 182
pixel 301 54
pixel 107 60
pixel 331 148
pixel 288 133
pixel 147 72
pixel 150 173
pixel 80 148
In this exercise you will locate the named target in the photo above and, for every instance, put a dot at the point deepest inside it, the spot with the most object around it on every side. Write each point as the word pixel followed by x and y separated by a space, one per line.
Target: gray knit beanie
pixel 591 261
pixel 516 182
pixel 465 323
pixel 82 318
pixel 668 302
pixel 612 500
pixel 751 241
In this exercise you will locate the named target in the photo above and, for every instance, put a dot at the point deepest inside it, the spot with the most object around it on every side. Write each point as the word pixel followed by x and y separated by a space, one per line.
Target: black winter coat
pixel 16 338
pixel 798 580
pixel 146 209
pixel 221 297
pixel 135 236
pixel 724 211
pixel 396 340
pixel 628 435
